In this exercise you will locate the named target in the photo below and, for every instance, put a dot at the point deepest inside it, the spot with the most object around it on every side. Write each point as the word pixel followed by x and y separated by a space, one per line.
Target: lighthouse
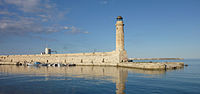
pixel 120 50
pixel 119 34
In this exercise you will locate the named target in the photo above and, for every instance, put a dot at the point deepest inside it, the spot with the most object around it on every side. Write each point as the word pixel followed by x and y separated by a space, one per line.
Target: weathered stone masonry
pixel 78 58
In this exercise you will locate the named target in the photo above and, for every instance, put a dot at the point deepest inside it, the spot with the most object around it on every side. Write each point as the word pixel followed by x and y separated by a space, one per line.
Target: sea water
pixel 99 80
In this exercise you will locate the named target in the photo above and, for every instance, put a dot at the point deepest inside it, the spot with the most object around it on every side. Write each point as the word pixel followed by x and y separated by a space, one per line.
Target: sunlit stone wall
pixel 97 58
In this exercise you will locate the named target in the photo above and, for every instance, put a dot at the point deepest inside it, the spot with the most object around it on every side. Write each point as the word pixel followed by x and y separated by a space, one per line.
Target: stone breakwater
pixel 97 58
pixel 87 59
pixel 63 58
pixel 153 66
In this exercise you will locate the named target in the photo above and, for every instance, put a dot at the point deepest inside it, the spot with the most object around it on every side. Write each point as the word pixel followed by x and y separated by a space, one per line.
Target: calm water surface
pixel 99 80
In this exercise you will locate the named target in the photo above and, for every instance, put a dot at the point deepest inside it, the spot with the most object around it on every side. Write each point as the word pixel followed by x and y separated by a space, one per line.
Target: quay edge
pixel 146 66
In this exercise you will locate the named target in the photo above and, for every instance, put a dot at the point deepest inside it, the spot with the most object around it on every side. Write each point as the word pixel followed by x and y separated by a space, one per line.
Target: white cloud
pixel 1 3
pixel 43 16
pixel 104 2
pixel 75 30
pixel 6 12
pixel 36 16
pixel 66 27
pixel 25 5
pixel 18 27
pixel 86 32
pixel 3 25
pixel 25 25
pixel 35 13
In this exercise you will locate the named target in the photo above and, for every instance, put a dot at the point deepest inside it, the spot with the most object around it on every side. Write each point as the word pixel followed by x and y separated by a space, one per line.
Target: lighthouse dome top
pixel 119 18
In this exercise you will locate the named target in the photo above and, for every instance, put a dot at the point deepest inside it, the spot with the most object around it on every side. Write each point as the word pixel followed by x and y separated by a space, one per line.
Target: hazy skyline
pixel 153 28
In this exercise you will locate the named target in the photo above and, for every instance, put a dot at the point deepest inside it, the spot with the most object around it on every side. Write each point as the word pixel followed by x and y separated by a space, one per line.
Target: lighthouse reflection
pixel 117 75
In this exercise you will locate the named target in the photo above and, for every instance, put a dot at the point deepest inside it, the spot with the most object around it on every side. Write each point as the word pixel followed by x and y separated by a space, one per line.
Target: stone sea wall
pixel 113 58
pixel 153 66
pixel 110 58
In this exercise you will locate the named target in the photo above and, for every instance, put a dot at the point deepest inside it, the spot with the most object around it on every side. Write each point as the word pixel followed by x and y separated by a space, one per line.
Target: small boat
pixel 63 64
pixel 72 65
pixel 49 64
pixel 57 65
pixel 28 64
pixel 52 64
pixel 37 63
pixel 45 64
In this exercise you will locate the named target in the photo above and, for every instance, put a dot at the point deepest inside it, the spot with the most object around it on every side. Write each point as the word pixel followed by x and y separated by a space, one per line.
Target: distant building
pixel 47 51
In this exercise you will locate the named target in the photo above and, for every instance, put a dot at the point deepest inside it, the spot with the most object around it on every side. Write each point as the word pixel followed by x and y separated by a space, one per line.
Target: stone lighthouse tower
pixel 119 34
pixel 120 39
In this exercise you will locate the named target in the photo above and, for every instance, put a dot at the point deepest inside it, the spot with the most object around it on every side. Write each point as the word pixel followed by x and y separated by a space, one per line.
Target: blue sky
pixel 153 28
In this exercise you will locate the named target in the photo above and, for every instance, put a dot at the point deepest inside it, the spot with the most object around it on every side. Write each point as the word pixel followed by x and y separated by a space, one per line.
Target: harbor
pixel 117 57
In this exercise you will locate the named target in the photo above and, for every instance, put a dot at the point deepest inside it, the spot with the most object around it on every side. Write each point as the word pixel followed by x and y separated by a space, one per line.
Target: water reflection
pixel 117 75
